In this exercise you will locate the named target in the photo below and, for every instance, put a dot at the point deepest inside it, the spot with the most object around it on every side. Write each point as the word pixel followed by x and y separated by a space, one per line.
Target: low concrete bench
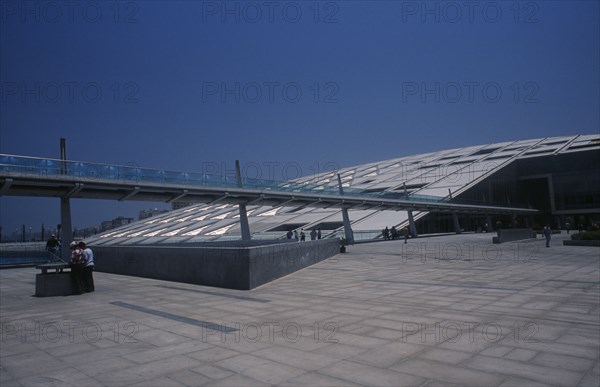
pixel 513 234
pixel 54 283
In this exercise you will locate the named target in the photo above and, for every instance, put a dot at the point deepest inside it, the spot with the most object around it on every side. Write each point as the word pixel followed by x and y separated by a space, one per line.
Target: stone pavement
pixel 450 310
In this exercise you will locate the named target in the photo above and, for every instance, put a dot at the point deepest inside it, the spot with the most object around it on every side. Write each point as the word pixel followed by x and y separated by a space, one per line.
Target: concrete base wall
pixel 54 284
pixel 513 234
pixel 243 268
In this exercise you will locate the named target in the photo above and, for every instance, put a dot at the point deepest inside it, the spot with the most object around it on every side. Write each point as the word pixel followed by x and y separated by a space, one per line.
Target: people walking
pixel 547 231
pixel 319 233
pixel 405 232
pixel 289 234
pixel 313 234
pixel 386 233
pixel 302 236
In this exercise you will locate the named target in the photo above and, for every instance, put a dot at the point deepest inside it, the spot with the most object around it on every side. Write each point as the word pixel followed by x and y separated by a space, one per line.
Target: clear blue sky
pixel 191 85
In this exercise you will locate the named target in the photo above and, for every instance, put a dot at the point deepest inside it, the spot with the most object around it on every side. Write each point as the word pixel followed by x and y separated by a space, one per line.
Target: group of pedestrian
pixel 82 267
pixel 393 234
pixel 314 235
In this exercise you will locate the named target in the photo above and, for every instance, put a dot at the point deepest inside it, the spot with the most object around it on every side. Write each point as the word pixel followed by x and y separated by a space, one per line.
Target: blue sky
pixel 193 85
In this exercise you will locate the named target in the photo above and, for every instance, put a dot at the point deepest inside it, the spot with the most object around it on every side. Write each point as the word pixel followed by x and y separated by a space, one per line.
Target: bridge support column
pixel 348 233
pixel 244 226
pixel 66 229
pixel 456 223
pixel 412 228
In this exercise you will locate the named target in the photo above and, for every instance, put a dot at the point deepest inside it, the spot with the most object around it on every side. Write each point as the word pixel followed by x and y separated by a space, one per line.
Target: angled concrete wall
pixel 240 267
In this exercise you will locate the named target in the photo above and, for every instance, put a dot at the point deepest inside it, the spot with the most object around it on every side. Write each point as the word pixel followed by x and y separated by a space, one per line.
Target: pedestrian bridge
pixel 44 177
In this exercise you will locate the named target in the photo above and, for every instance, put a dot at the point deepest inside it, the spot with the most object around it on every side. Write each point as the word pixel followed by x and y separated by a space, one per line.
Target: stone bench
pixel 54 283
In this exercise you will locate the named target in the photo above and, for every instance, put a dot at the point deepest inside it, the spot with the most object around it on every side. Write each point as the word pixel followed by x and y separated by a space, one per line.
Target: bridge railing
pixel 12 165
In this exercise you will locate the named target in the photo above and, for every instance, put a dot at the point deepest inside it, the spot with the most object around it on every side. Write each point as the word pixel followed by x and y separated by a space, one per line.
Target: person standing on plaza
pixel 88 278
pixel 77 263
pixel 302 236
pixel 405 232
pixel 547 231
pixel 319 233
pixel 313 235
pixel 53 246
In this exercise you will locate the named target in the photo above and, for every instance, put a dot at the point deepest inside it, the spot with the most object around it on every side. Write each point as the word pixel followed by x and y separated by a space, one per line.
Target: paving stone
pixel 448 373
pixel 63 377
pixel 445 356
pixel 386 355
pixel 260 369
pixel 369 375
pixel 496 351
pixel 212 372
pixel 188 378
pixel 314 379
pixel 590 380
pixel 563 362
pixel 523 370
pixel 520 354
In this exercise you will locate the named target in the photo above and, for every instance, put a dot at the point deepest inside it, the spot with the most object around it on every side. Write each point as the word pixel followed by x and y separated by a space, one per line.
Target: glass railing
pixel 76 170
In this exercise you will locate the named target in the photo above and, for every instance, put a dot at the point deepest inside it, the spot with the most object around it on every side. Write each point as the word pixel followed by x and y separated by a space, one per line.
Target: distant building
pixel 116 222
pixel 176 205
pixel 144 214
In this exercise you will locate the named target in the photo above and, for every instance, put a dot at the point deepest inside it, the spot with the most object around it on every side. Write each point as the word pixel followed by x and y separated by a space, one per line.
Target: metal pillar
pixel 345 217
pixel 66 229
pixel 244 226
pixel 456 223
pixel 454 216
pixel 412 228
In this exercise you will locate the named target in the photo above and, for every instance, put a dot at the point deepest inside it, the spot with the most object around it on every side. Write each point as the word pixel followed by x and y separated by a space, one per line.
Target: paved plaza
pixel 446 310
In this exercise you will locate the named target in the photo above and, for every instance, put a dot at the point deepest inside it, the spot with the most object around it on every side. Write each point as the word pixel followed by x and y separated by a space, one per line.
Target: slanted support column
pixel 456 223
pixel 412 228
pixel 66 229
pixel 348 233
pixel 454 215
pixel 244 226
